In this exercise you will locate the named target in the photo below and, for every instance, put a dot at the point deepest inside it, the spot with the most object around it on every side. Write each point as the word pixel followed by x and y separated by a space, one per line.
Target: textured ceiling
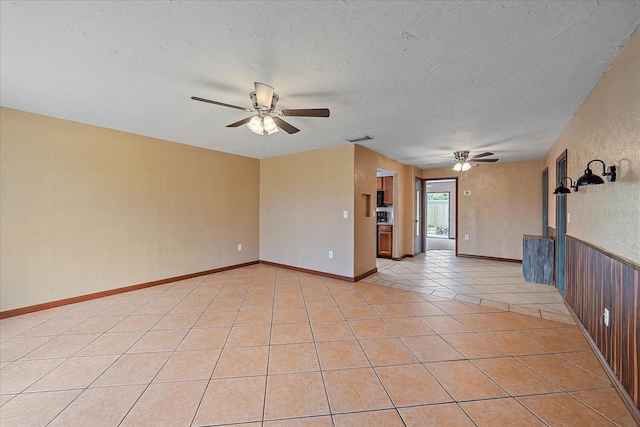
pixel 421 78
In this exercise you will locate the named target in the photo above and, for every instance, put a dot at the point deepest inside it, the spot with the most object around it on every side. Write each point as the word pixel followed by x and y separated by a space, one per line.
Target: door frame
pixel 418 223
pixel 561 225
pixel 545 202
pixel 424 209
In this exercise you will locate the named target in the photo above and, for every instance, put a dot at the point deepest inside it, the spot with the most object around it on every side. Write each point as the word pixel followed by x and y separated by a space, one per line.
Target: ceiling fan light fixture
pixel 255 125
pixel 269 125
pixel 462 166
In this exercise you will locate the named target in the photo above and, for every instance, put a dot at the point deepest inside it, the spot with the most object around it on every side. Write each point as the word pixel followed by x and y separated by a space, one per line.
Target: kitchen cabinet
pixel 385 241
pixel 385 184
pixel 387 187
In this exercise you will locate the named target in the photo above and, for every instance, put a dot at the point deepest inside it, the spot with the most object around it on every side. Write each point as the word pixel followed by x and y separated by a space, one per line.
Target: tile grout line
pixel 315 346
pixel 210 379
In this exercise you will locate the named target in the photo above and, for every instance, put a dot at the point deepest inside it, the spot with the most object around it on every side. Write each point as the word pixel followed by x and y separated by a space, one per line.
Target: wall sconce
pixel 589 178
pixel 564 190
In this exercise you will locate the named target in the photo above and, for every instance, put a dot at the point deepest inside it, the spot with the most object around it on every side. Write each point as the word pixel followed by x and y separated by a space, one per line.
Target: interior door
pixel 561 225
pixel 417 230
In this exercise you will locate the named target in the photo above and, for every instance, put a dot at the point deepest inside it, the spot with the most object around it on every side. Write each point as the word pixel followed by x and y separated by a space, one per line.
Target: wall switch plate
pixel 568 218
pixel 239 246
pixel 606 317
pixel 467 192
pixel 466 237
pixel 345 214
pixel 330 254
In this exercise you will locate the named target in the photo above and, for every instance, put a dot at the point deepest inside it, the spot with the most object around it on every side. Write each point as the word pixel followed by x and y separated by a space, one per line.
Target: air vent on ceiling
pixel 362 138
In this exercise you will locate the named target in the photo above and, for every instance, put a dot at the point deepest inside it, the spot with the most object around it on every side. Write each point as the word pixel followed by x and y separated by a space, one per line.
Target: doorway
pixel 440 214
pixel 386 190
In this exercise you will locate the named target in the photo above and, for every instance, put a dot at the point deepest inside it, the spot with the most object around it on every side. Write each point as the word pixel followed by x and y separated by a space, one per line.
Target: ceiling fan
pixel 267 118
pixel 463 161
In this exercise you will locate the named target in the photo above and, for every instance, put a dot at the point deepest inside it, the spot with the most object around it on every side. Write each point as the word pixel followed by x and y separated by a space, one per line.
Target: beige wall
pixel 87 209
pixel 606 127
pixel 366 164
pixel 302 200
pixel 364 223
pixel 505 203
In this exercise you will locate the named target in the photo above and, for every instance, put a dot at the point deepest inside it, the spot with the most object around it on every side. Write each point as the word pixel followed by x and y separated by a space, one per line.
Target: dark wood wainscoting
pixel 597 280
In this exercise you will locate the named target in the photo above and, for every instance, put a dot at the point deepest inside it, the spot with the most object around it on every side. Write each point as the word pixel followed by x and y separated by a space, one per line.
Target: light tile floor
pixel 266 346
pixel 489 283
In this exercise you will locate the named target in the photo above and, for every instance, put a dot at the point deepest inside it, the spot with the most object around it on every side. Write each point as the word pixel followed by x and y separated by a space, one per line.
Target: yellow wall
pixel 505 203
pixel 606 127
pixel 87 209
pixel 302 200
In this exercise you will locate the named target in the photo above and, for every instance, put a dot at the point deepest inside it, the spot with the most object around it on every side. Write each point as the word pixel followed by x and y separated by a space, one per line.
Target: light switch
pixel 345 214
pixel 467 192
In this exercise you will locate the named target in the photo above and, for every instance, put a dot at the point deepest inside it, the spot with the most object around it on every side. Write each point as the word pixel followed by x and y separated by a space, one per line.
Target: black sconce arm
pixel 564 190
pixel 571 185
pixel 608 172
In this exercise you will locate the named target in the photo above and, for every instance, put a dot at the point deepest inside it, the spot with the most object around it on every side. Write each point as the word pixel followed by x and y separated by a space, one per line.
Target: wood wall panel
pixel 551 232
pixel 595 280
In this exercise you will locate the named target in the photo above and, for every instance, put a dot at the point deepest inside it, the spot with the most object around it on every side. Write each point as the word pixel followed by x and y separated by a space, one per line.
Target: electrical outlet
pixel 330 254
pixel 345 214
pixel 466 237
pixel 606 317
pixel 239 246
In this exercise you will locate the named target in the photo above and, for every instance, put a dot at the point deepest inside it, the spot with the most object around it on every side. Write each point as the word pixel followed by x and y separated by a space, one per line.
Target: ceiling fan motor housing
pixel 263 109
pixel 462 155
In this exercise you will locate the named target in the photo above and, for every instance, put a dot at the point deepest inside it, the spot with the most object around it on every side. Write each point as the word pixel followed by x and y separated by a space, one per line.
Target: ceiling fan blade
pixel 285 126
pixel 264 94
pixel 307 112
pixel 483 160
pixel 240 122
pixel 195 98
pixel 477 156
